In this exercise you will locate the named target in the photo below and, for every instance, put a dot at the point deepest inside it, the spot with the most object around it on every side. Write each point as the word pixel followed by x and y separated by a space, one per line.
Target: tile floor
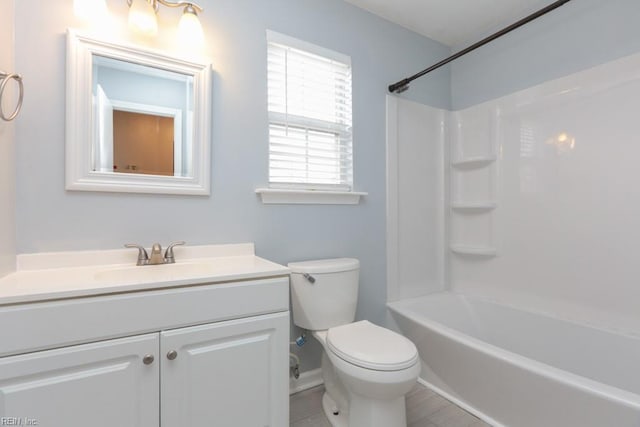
pixel 424 409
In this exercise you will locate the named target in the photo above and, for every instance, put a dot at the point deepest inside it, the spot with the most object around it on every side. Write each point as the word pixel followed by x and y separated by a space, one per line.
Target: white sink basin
pixel 59 275
pixel 157 273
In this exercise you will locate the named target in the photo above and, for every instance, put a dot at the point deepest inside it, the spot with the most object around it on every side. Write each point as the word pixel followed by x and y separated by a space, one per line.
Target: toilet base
pixel 366 412
pixel 329 406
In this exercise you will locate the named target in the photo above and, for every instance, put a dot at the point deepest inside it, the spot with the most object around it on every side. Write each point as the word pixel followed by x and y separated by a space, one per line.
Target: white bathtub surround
pixel 540 204
pixel 541 219
pixel 416 215
pixel 518 368
pixel 565 220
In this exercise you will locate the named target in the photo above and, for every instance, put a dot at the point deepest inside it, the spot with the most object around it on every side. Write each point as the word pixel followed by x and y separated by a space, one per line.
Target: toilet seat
pixel 369 346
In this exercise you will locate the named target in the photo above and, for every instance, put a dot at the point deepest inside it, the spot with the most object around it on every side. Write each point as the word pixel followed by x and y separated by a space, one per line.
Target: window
pixel 310 134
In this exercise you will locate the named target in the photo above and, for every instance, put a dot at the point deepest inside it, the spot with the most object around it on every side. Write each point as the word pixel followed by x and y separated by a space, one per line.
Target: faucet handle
pixel 168 254
pixel 143 256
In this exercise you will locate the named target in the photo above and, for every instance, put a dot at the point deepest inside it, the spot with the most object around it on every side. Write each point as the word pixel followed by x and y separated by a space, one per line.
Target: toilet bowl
pixel 371 382
pixel 367 369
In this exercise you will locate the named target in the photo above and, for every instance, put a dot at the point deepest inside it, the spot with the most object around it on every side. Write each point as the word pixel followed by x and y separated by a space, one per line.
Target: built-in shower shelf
pixel 483 251
pixel 473 206
pixel 473 162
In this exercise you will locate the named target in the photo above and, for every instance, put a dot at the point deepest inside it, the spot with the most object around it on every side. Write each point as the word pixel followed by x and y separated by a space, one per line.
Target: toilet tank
pixel 324 293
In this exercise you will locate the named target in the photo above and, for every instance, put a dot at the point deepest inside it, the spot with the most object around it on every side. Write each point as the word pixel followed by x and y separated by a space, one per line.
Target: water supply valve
pixel 295 371
pixel 301 340
pixel 295 368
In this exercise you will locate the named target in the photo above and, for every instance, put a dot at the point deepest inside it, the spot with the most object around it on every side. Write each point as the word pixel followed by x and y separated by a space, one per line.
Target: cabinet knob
pixel 172 355
pixel 148 359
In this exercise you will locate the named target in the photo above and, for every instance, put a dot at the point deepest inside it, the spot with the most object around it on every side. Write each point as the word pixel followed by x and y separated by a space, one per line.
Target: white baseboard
pixel 307 380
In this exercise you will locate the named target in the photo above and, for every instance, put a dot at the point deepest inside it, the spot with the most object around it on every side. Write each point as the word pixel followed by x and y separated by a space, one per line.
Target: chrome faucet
pixel 156 257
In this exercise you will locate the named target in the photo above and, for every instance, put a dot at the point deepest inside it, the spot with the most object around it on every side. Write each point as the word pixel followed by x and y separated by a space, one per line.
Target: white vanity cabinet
pixel 102 384
pixel 227 374
pixel 174 354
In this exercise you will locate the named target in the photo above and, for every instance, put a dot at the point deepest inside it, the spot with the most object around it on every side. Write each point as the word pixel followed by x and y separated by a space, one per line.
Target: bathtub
pixel 521 369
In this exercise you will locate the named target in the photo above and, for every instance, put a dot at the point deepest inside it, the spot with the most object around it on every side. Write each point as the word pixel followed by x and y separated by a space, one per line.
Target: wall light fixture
pixel 142 18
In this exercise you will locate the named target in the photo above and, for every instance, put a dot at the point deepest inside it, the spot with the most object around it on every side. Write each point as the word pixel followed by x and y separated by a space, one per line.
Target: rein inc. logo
pixel 18 421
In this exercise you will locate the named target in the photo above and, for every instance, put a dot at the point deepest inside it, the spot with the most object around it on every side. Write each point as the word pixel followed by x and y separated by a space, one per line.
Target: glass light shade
pixel 90 10
pixel 190 30
pixel 142 18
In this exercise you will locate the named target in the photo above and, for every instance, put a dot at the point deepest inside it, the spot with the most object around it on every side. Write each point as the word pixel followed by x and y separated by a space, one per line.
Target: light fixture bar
pixel 156 4
pixel 179 4
pixel 143 19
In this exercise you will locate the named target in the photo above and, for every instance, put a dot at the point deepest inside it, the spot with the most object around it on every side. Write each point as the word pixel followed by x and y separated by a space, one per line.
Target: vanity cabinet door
pixel 227 374
pixel 103 384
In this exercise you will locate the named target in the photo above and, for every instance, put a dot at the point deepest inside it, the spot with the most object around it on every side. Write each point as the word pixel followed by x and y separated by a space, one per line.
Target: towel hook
pixel 5 77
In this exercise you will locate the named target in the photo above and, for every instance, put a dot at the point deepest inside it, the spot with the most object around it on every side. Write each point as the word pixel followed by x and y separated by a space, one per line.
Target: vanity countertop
pixel 63 275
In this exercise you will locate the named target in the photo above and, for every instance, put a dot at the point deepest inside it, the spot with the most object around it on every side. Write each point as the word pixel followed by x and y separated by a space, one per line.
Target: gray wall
pixel 7 147
pixel 578 35
pixel 51 219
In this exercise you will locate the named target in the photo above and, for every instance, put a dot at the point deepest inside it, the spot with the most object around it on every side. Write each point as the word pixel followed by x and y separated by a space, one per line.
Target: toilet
pixel 367 369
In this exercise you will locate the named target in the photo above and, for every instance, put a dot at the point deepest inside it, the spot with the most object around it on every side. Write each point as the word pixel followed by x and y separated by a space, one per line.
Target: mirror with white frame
pixel 137 120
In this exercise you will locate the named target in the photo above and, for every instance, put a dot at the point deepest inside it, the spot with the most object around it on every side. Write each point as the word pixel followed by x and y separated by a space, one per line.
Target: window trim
pixel 273 37
pixel 290 196
pixel 301 193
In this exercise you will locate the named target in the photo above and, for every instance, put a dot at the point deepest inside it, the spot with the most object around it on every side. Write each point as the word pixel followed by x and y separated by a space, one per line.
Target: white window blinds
pixel 310 136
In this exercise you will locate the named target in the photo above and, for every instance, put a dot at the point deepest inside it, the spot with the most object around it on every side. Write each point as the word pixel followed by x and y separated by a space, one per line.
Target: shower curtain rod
pixel 403 85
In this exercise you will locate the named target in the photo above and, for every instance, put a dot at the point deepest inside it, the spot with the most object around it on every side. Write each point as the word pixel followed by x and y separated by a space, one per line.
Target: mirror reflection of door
pixel 143 143
pixel 149 107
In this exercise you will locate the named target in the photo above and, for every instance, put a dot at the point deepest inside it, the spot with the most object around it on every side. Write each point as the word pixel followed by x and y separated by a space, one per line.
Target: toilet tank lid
pixel 334 265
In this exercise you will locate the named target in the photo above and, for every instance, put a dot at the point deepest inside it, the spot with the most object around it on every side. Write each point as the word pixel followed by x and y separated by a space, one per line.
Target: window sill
pixel 309 197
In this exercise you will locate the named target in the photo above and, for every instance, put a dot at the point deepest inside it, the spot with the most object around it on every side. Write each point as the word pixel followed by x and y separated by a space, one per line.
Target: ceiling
pixel 452 22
